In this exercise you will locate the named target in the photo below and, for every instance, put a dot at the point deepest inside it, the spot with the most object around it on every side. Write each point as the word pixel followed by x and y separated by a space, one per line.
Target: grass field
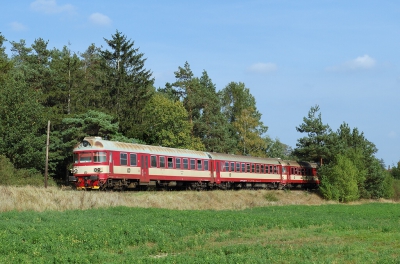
pixel 330 233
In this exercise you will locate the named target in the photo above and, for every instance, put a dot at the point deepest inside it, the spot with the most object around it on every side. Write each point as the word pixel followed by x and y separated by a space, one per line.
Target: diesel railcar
pixel 104 164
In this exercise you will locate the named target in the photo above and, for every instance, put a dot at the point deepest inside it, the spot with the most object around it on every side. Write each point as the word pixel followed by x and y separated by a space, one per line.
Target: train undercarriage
pixel 93 183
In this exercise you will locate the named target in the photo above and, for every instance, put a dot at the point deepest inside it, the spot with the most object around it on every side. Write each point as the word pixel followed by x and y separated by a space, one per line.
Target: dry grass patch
pixel 60 199
pixel 53 198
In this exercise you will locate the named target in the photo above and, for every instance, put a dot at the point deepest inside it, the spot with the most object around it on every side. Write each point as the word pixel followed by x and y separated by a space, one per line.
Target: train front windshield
pixel 85 157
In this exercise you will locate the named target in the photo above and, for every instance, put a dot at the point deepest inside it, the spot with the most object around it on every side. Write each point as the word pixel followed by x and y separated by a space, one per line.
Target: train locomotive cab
pixel 90 166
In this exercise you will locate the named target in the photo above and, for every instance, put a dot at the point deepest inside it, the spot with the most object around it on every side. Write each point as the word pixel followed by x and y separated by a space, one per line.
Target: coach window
pixel 238 166
pixel 192 164
pixel 243 167
pixel 170 163
pixel 248 167
pixel 178 163
pixel 266 168
pixel 133 159
pixel 275 170
pixel 206 165
pixel 124 159
pixel 162 162
pixel 258 168
pixel 100 156
pixel 270 169
pixel 199 165
pixel 252 168
pixel 226 166
pixel 232 166
pixel 185 164
pixel 153 161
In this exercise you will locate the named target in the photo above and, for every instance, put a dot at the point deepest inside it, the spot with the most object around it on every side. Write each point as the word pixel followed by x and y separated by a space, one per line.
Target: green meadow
pixel 367 233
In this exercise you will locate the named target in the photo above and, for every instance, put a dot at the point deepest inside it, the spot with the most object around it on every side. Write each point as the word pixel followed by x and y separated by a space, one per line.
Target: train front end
pixel 91 167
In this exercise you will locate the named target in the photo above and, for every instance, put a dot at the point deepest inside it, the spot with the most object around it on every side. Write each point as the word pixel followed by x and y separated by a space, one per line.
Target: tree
pixel 22 123
pixel 5 64
pixel 277 149
pixel 395 171
pixel 239 109
pixel 68 75
pixel 129 84
pixel 313 147
pixel 165 124
pixel 339 180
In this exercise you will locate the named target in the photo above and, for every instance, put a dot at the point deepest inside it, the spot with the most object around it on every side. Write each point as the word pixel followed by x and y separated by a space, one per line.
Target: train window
pixel 206 165
pixel 185 164
pixel 243 167
pixel 178 163
pixel 283 169
pixel 232 166
pixel 262 168
pixel 226 166
pixel 170 163
pixel 291 170
pixel 258 168
pixel 270 169
pixel 252 168
pixel 199 165
pixel 237 166
pixel 248 167
pixel 153 161
pixel 124 159
pixel 133 159
pixel 192 164
pixel 162 162
pixel 76 158
pixel 100 156
pixel 275 170
pixel 85 157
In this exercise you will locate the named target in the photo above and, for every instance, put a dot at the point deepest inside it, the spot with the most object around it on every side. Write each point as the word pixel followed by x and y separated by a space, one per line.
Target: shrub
pixel 19 177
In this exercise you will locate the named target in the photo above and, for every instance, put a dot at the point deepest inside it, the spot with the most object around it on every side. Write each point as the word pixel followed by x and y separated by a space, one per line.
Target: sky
pixel 341 55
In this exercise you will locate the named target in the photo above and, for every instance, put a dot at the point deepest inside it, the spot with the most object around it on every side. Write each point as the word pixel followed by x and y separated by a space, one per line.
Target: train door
pixel 285 174
pixel 144 168
pixel 111 165
pixel 217 169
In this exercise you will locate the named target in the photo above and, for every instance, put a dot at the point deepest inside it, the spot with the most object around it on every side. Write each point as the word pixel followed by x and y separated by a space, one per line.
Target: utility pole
pixel 47 155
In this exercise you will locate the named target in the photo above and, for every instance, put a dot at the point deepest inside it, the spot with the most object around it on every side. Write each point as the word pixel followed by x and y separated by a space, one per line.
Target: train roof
pixel 300 163
pixel 231 157
pixel 101 144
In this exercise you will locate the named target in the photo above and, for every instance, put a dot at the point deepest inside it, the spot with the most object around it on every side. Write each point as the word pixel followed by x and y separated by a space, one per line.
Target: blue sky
pixel 341 55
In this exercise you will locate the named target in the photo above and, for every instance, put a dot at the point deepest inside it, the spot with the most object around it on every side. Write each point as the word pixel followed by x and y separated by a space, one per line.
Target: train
pixel 101 164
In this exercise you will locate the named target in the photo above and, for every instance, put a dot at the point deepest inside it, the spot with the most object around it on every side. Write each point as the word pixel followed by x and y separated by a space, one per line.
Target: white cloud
pixel 360 63
pixel 100 19
pixel 262 67
pixel 50 7
pixel 15 26
pixel 392 134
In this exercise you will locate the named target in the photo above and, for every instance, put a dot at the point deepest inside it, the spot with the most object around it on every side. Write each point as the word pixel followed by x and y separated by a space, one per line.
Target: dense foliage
pixel 349 169
pixel 107 91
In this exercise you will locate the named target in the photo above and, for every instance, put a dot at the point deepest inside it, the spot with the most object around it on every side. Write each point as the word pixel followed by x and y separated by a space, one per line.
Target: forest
pixel 108 92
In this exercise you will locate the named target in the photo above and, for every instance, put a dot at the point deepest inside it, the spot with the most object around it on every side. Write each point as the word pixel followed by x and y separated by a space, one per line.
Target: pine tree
pixel 129 84
pixel 313 147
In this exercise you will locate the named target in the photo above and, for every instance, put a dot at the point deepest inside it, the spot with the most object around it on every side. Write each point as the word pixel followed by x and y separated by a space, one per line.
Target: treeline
pixel 109 92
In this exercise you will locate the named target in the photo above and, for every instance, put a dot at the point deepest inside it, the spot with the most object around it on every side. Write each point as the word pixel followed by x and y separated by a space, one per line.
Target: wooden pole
pixel 47 155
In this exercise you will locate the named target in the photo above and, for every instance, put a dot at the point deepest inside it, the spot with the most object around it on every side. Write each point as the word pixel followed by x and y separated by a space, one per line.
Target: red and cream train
pixel 104 164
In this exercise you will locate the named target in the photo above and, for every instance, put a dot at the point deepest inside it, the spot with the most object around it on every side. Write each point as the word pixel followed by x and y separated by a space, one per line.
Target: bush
pixel 19 177
pixel 339 180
